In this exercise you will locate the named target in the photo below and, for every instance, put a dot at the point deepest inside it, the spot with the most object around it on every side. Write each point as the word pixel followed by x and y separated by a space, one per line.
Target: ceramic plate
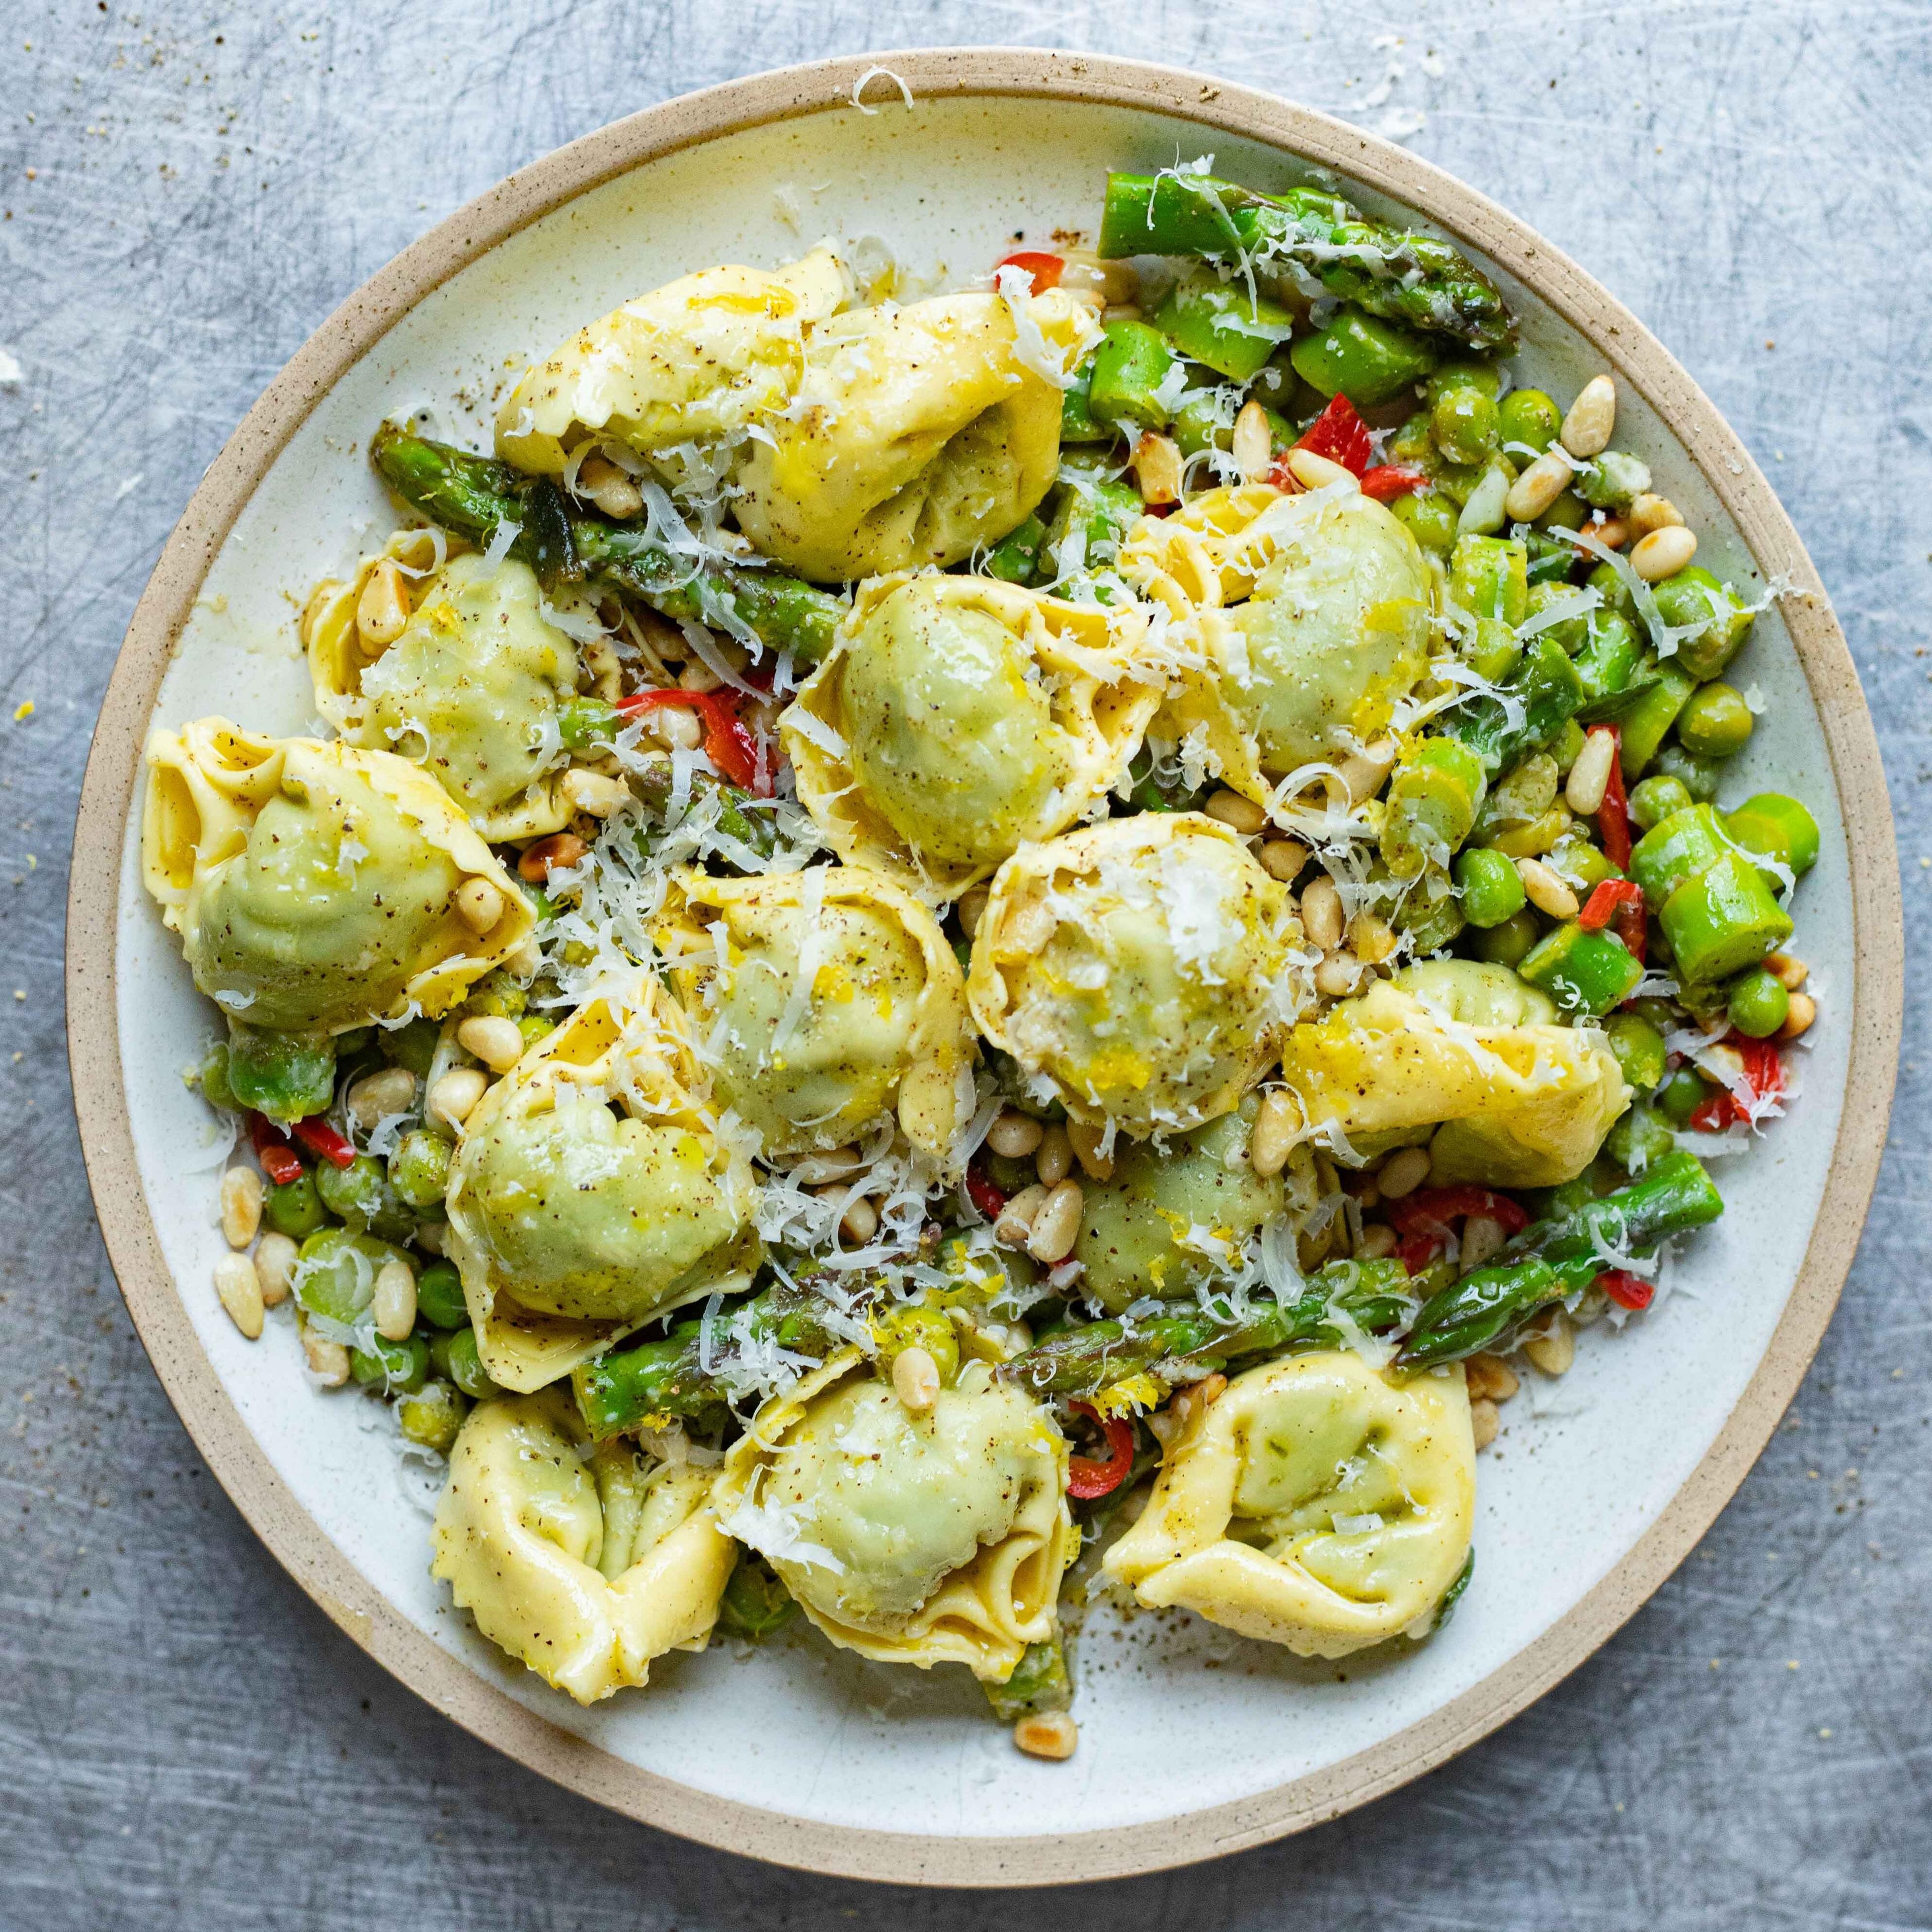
pixel 1192 1741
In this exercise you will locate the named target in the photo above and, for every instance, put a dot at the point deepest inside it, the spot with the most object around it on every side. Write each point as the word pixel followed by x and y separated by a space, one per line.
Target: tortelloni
pixel 917 435
pixel 1311 620
pixel 315 886
pixel 958 718
pixel 1316 1502
pixel 699 358
pixel 1138 971
pixel 930 1536
pixel 578 1560
pixel 1526 1103
pixel 588 1192
pixel 471 690
pixel 838 1002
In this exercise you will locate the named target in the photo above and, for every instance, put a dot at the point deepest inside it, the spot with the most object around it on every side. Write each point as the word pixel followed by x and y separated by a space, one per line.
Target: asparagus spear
pixel 1388 271
pixel 472 496
pixel 1040 1682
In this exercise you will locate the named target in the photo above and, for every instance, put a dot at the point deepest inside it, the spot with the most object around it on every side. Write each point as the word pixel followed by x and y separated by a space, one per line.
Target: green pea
pixel 1640 1137
pixel 1496 650
pixel 361 1195
pixel 1431 518
pixel 755 1602
pixel 1568 512
pixel 1698 776
pixel 1414 446
pixel 1573 633
pixel 214 1087
pixel 1582 864
pixel 288 1076
pixel 495 996
pixel 335 1274
pixel 1464 424
pixel 1464 372
pixel 1680 1096
pixel 1715 722
pixel 1510 943
pixel 432 1416
pixel 1653 799
pixel 400 1367
pixel 911 1326
pixel 534 1026
pixel 413 1046
pixel 587 721
pixel 1567 746
pixel 440 1296
pixel 1758 1003
pixel 1612 589
pixel 419 1168
pixel 457 1356
pixel 1491 888
pixel 1203 421
pixel 293 1207
pixel 1528 416
pixel 1639 1048
pixel 1613 480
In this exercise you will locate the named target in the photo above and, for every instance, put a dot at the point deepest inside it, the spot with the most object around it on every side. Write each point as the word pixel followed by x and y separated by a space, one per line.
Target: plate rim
pixel 108 796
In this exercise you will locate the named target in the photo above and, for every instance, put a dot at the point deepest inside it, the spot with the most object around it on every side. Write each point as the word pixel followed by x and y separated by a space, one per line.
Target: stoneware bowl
pixel 1192 1742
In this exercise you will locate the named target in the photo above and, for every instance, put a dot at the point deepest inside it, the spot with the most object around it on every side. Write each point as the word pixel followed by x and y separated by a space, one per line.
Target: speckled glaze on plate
pixel 1193 1742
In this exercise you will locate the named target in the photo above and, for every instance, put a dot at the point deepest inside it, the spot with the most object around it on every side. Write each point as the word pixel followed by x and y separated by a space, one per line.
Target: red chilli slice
pixel 319 1138
pixel 1392 480
pixel 1627 1290
pixel 279 1161
pixel 1087 1478
pixel 1043 270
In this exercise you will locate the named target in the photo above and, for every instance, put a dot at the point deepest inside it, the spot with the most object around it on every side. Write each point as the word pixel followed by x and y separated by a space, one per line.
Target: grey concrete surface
pixel 186 190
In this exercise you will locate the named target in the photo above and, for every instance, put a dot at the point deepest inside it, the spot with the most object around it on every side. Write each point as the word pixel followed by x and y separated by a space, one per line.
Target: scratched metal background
pixel 187 191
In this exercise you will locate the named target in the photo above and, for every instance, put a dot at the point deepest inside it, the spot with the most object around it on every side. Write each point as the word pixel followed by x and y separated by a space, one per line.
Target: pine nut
pixel 1590 775
pixel 1317 472
pixel 1789 973
pixel 1238 814
pixel 602 482
pixel 478 904
pixel 838 1163
pixel 1483 1239
pixel 240 1205
pixel 1123 312
pixel 1649 512
pixel 1283 859
pixel 1613 532
pixel 1322 913
pixel 496 1042
pixel 1016 1217
pixel 1803 1011
pixel 1378 1243
pixel 1195 1397
pixel 1402 1173
pixel 592 793
pixel 1277 1123
pixel 1592 419
pixel 454 1098
pixel 1663 553
pixel 275 1257
pixel 1053 1158
pixel 1049 1734
pixel 1490 1376
pixel 1056 1224
pixel 1085 1141
pixel 382 610
pixel 698 676
pixel 1555 1349
pixel 1538 487
pixel 1364 773
pixel 1029 926
pixel 239 1288
pixel 1484 1421
pixel 1015 1134
pixel 1371 938
pixel 561 850
pixel 1548 891
pixel 859 1222
pixel 1253 445
pixel 971 909
pixel 376 1096
pixel 1156 466
pixel 393 1306
pixel 675 727
pixel 327 1361
pixel 1338 975
pixel 916 1378
pixel 1114 282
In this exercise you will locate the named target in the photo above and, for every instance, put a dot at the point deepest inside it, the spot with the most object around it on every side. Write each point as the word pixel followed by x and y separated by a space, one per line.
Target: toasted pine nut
pixel 1483 1239
pixel 478 904
pixel 275 1257
pixel 454 1098
pixel 1114 282
pixel 1371 938
pixel 1123 312
pixel 239 1288
pixel 393 1306
pixel 240 1205
pixel 1592 419
pixel 675 727
pixel 382 610
pixel 1156 466
pixel 916 1378
pixel 1015 1134
pixel 1804 1010
pixel 389 1090
pixel 697 675
pixel 1490 1376
pixel 1663 553
pixel 1277 1123
pixel 1253 445
pixel 971 909
pixel 1029 926
pixel 860 1222
pixel 1338 975
pixel 838 1163
pixel 1590 775
pixel 1649 512
pixel 1056 1224
pixel 1238 814
pixel 602 482
pixel 1016 1217
pixel 1322 913
pixel 1317 472
pixel 1053 1158
pixel 561 850
pixel 1085 1141
pixel 1283 859
pixel 1538 487
pixel 1048 1734
pixel 1364 773
pixel 327 1361
pixel 1553 1351
pixel 1378 1243
pixel 496 1042
pixel 1548 891
pixel 1196 1397
pixel 592 792
pixel 1402 1173
pixel 1789 973
pixel 1613 532
pixel 1484 1421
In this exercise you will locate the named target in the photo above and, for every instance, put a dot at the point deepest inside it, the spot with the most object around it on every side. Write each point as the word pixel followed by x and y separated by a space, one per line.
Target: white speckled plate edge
pixel 193 1357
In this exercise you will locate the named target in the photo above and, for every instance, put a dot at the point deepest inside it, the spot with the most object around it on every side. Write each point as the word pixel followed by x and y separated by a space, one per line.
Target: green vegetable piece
pixel 1528 420
pixel 1775 826
pixel 1675 849
pixel 432 1416
pixel 1584 972
pixel 1463 1318
pixel 1356 355
pixel 1549 559
pixel 1040 1683
pixel 1431 916
pixel 1693 596
pixel 1223 326
pixel 419 1168
pixel 1609 656
pixel 293 1207
pixel 534 1027
pixel 756 1603
pixel 412 1046
pixel 1698 776
pixel 1015 558
pixel 1640 1138
pixel 439 1300
pixel 1759 1003
pixel 287 1076
pixel 1077 422
pixel 360 1196
pixel 400 1367
pixel 1451 1596
pixel 1488 576
pixel 1656 798
pixel 1131 371
pixel 1430 806
pixel 213 1077
pixel 1491 888
pixel 1464 422
pixel 1547 692
pixel 1582 863
pixel 1613 480
pixel 1572 632
pixel 1606 580
pixel 1203 421
pixel 587 723
pixel 1431 518
pixel 1093 514
pixel 1722 920
pixel 1461 373
pixel 1639 1048
pixel 1645 723
pixel 1681 1095
pixel 457 1356
pixel 1567 511
pixel 335 1274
